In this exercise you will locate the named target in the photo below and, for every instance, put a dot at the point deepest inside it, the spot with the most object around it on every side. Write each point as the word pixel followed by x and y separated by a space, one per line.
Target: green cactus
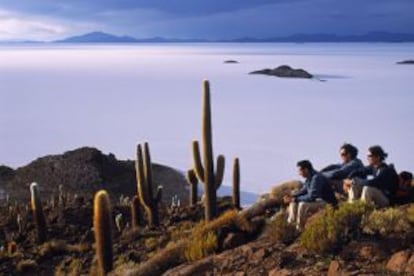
pixel 193 182
pixel 236 184
pixel 136 215
pixel 102 225
pixel 205 169
pixel 144 185
pixel 38 215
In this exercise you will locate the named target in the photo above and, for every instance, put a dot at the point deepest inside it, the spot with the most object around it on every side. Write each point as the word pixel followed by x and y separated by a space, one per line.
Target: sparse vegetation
pixel 390 221
pixel 201 245
pixel 410 213
pixel 279 230
pixel 332 228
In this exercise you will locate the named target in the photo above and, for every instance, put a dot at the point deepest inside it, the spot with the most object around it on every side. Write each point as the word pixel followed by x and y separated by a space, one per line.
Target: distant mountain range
pixel 101 37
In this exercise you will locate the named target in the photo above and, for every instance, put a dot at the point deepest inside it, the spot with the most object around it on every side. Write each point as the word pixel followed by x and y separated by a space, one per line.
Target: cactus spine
pixel 38 214
pixel 205 169
pixel 236 184
pixel 102 225
pixel 135 212
pixel 193 181
pixel 143 172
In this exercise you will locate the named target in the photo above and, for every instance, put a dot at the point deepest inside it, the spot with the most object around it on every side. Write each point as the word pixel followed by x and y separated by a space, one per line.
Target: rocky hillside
pixel 86 170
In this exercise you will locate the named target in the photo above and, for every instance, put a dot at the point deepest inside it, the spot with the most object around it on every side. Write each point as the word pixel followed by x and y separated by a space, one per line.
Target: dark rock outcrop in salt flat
pixel 84 171
pixel 231 61
pixel 409 61
pixel 284 71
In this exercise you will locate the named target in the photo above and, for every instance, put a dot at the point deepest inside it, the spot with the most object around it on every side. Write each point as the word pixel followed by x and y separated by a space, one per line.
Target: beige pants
pixel 300 211
pixel 368 194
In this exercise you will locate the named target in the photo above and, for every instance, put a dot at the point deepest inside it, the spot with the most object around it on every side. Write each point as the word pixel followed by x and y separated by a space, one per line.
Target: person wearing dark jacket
pixel 336 173
pixel 350 163
pixel 381 188
pixel 315 194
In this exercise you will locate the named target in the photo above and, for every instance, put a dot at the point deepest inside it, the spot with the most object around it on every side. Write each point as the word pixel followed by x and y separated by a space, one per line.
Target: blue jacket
pixel 344 170
pixel 316 186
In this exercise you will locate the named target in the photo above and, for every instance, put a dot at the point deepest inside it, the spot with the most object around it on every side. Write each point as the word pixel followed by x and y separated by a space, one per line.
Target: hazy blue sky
pixel 51 19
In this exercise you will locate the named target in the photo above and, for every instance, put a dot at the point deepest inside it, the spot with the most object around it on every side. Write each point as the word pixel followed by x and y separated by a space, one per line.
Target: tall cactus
pixel 193 182
pixel 136 215
pixel 236 184
pixel 38 214
pixel 102 225
pixel 205 169
pixel 143 172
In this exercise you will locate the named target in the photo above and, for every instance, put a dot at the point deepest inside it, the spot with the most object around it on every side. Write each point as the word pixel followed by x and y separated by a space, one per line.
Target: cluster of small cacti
pixel 175 202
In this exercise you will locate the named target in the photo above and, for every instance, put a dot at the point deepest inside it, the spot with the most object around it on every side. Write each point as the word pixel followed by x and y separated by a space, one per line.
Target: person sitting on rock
pixel 315 194
pixel 404 192
pixel 338 172
pixel 381 188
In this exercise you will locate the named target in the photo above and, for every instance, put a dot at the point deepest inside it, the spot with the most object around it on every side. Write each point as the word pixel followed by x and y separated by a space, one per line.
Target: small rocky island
pixel 409 61
pixel 231 61
pixel 284 71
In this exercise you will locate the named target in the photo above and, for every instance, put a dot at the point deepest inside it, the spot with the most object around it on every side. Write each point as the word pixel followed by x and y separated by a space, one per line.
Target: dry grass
pixel 410 213
pixel 174 253
pixel 279 230
pixel 55 247
pixel 201 246
pixel 229 218
pixel 284 188
pixel 159 263
pixel 74 268
pixel 26 266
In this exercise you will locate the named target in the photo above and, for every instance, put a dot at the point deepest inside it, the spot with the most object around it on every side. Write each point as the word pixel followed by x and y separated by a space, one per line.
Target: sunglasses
pixel 343 153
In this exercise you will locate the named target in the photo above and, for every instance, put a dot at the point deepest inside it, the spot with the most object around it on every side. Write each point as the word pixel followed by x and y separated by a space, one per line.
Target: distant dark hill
pixel 84 171
pixel 246 198
pixel 379 36
pixel 98 37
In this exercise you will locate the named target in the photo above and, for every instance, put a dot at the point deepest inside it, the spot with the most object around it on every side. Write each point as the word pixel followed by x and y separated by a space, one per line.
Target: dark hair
pixel 351 149
pixel 305 164
pixel 406 175
pixel 378 151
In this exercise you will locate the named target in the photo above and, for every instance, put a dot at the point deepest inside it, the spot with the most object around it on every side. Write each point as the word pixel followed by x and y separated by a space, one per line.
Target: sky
pixel 212 19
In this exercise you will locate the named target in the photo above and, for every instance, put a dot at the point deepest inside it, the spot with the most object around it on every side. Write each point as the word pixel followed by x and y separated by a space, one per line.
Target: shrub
pixel 151 243
pixel 279 230
pixel 204 240
pixel 410 213
pixel 334 227
pixel 181 231
pixel 201 245
pixel 387 222
pixel 229 218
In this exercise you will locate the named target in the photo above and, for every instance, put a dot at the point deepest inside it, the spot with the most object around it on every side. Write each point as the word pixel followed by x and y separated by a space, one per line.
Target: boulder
pixel 284 71
pixel 233 240
pixel 335 269
pixel 398 261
